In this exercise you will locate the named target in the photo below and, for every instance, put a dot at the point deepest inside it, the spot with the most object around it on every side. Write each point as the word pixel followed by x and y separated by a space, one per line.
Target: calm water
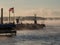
pixel 47 36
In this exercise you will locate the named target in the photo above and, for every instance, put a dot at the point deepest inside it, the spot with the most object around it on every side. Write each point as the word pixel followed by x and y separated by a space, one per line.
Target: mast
pixel 9 17
pixel 35 20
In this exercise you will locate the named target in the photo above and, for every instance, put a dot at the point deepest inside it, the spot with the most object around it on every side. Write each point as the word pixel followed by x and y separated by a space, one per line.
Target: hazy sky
pixel 47 8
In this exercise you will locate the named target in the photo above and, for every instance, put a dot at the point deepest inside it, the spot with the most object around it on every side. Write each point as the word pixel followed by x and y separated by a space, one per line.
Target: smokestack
pixel 1 15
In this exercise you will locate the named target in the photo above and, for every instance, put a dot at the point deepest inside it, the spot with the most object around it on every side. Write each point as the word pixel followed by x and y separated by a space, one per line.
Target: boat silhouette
pixel 7 29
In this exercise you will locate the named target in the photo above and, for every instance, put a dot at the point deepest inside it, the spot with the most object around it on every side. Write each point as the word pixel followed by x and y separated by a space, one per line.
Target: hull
pixel 7 29
pixel 29 26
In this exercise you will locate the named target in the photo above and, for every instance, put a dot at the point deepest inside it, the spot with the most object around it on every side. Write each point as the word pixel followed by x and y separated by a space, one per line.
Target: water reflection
pixel 47 36
pixel 4 40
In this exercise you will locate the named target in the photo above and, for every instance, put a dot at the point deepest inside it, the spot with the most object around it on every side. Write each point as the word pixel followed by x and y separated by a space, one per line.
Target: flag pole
pixel 13 15
pixel 9 16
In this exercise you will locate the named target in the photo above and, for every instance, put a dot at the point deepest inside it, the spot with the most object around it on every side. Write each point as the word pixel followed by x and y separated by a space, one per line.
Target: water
pixel 47 36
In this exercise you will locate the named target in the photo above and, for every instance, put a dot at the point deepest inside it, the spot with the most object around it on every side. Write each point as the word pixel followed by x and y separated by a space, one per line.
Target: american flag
pixel 11 10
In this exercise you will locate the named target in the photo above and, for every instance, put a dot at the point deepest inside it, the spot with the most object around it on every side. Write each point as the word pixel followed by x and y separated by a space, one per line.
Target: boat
pixel 35 25
pixel 7 29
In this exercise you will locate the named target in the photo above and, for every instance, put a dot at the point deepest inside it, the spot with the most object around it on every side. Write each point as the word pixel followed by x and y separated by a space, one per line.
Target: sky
pixel 46 8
